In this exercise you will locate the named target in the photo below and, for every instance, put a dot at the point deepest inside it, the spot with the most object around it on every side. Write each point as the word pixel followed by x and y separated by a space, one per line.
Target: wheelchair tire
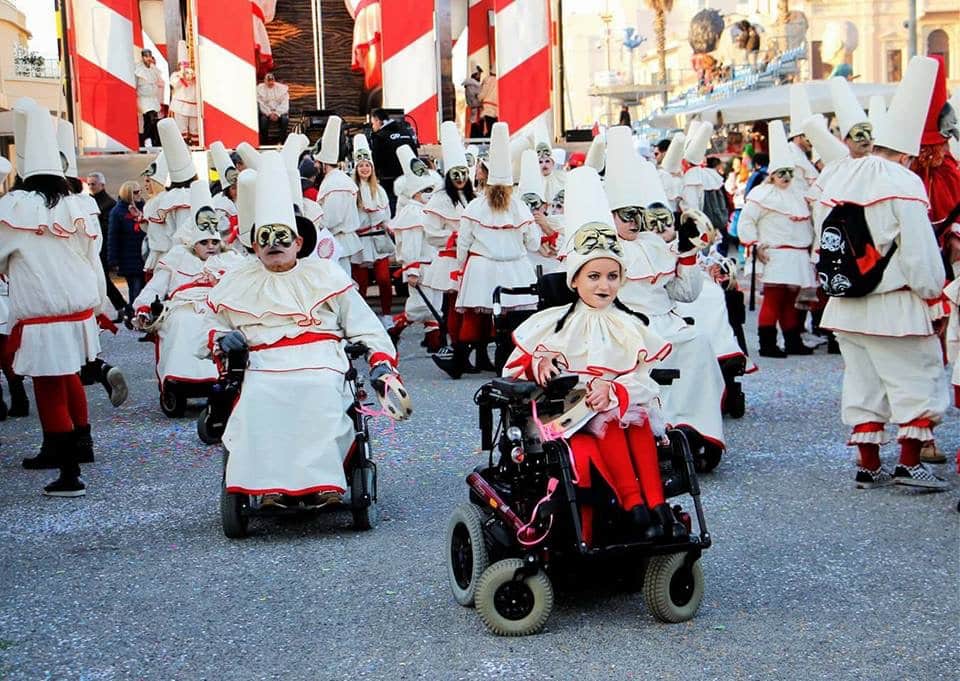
pixel 233 515
pixel 708 458
pixel 736 406
pixel 467 556
pixel 173 403
pixel 672 591
pixel 510 607
pixel 206 435
pixel 367 517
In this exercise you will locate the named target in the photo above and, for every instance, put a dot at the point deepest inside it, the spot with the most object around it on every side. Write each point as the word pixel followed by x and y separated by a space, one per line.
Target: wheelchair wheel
pixel 708 458
pixel 172 403
pixel 233 508
pixel 207 435
pixel 513 607
pixel 364 517
pixel 737 406
pixel 466 553
pixel 672 591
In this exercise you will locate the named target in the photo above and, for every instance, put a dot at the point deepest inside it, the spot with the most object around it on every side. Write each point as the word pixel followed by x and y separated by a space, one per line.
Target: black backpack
pixel 715 208
pixel 850 265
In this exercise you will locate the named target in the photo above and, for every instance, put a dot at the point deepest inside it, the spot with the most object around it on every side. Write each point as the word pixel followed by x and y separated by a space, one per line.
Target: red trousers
pixel 61 403
pixel 475 327
pixel 779 306
pixel 626 458
pixel 381 273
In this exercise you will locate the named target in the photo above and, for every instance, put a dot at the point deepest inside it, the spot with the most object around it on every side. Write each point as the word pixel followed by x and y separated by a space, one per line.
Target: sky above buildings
pixel 41 24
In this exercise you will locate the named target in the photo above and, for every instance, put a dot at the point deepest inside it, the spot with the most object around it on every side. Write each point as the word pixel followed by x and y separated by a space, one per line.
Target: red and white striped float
pixel 227 72
pixel 523 62
pixel 410 63
pixel 478 34
pixel 101 37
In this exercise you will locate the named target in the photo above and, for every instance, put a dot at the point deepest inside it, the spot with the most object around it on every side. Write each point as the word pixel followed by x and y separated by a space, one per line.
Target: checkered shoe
pixel 868 479
pixel 918 476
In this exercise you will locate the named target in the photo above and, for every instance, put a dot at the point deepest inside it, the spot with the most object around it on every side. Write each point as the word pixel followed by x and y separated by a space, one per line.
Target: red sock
pixel 51 396
pixel 613 461
pixel 76 401
pixel 381 272
pixel 869 455
pixel 643 451
pixel 361 275
pixel 454 318
pixel 771 305
pixel 910 452
pixel 584 448
pixel 790 319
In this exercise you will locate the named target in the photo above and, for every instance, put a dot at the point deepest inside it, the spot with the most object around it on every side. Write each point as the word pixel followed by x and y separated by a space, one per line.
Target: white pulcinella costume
pixel 373 211
pixel 51 257
pixel 698 178
pixel 337 196
pixel 327 247
pixel 169 211
pixel 556 180
pixel 800 112
pixel 893 368
pixel 532 183
pixel 492 245
pixel 225 206
pixel 441 215
pixel 294 323
pixel 671 171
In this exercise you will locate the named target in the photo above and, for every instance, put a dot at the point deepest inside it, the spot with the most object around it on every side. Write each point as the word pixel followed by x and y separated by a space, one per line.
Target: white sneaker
pixel 918 476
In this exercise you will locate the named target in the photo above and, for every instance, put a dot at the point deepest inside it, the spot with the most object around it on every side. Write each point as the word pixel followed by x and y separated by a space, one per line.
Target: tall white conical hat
pixel 541 137
pixel 799 109
pixel 621 180
pixel 845 105
pixel 780 156
pixel 223 164
pixel 518 145
pixel 596 154
pixel 20 108
pixel 295 144
pixel 200 198
pixel 902 125
pixel 246 204
pixel 412 183
pixel 5 168
pixel 249 155
pixel 698 143
pixel 41 155
pixel 183 55
pixel 157 170
pixel 531 179
pixel 361 149
pixel 330 143
pixel 650 184
pixel 559 156
pixel 672 161
pixel 876 110
pixel 179 161
pixel 274 205
pixel 454 155
pixel 68 149
pixel 200 195
pixel 500 172
pixel 585 204
pixel 824 142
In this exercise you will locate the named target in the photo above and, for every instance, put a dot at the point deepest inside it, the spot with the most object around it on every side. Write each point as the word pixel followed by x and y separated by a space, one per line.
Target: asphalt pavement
pixel 808 577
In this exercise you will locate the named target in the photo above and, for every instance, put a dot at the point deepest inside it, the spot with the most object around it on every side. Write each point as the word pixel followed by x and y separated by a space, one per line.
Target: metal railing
pixel 27 64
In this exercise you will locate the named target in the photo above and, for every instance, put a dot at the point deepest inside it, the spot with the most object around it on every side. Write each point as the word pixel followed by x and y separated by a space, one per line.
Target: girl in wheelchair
pixel 610 348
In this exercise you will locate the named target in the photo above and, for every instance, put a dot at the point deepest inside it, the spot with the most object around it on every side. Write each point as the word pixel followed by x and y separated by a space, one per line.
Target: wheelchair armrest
pixel 512 389
pixel 499 291
pixel 356 350
pixel 664 376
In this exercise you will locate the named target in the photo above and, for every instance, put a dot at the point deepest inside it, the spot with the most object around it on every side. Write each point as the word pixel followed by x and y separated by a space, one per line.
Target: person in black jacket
pixel 126 237
pixel 97 185
pixel 388 136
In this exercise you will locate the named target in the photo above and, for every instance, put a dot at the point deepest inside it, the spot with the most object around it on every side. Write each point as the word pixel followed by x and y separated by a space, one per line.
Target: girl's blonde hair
pixel 127 189
pixel 498 196
pixel 372 182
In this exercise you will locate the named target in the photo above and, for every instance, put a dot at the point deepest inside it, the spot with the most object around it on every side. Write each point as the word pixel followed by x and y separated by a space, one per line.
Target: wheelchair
pixel 521 530
pixel 359 467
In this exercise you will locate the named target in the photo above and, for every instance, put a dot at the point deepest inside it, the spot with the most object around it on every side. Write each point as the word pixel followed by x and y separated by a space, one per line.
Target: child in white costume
pixel 416 256
pixel 181 281
pixel 337 196
pixel 661 270
pixel 533 193
pixel 373 208
pixel 612 351
pixel 170 210
pixel 292 315
pixel 671 171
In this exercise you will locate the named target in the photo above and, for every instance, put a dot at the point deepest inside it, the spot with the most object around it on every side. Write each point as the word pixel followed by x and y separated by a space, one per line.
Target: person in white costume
pixel 496 232
pixel 416 255
pixel 554 177
pixel 776 221
pixel 800 146
pixel 170 210
pixel 532 192
pixel 441 227
pixel 225 202
pixel 662 269
pixel 183 98
pixel 856 131
pixel 373 208
pixel 50 251
pixel 671 171
pixel 181 281
pixel 19 403
pixel 893 366
pixel 337 196
pixel 292 315
pixel 150 84
pixel 293 148
pixel 612 350
pixel 698 179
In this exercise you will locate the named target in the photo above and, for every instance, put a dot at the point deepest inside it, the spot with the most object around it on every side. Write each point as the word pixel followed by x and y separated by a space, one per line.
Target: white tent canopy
pixel 766 104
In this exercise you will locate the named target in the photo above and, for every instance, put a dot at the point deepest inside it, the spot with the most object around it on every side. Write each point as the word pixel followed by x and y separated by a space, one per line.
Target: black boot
pixel 793 344
pixel 83 444
pixel 451 359
pixel 53 452
pixel 483 362
pixel 768 342
pixel 19 404
pixel 671 527
pixel 833 347
pixel 68 483
pixel 648 527
pixel 464 358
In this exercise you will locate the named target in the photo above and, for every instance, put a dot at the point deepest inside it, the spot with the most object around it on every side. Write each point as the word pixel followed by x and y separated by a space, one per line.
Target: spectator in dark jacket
pixel 124 250
pixel 97 185
pixel 388 136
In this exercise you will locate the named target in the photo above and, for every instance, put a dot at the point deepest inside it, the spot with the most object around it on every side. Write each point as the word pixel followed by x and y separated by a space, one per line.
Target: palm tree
pixel 660 9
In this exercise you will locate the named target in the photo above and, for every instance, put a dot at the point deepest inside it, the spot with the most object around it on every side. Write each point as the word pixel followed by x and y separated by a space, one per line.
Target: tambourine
pixel 393 397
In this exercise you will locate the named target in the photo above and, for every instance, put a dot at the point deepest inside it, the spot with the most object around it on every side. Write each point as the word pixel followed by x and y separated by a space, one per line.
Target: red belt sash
pixel 302 339
pixel 16 334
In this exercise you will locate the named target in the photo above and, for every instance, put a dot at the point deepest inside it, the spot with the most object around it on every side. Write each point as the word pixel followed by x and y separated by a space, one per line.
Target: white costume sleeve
pixel 686 286
pixel 747 225
pixel 464 242
pixel 340 214
pixel 918 254
pixel 640 387
pixel 156 288
pixel 409 248
pixel 359 323
pixel 531 237
pixel 434 231
pixel 691 197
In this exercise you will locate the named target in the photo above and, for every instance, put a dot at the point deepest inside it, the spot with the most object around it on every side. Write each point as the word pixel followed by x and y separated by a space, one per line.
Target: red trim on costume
pixel 302 339
pixel 601 371
pixel 504 226
pixel 623 397
pixel 16 333
pixel 653 277
pixel 378 357
pixel 711 440
pixel 217 308
pixel 192 284
pixel 105 324
pixel 868 427
pixel 443 217
pixel 525 363
pixel 918 423
pixel 687 260
pixel 236 489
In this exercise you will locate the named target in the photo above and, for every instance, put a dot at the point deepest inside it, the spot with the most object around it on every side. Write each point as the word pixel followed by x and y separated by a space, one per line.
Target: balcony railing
pixel 27 64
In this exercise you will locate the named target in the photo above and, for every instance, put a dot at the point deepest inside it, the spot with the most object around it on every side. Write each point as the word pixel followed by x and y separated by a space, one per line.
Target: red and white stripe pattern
pixel 478 34
pixel 101 37
pixel 227 72
pixel 523 62
pixel 410 63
